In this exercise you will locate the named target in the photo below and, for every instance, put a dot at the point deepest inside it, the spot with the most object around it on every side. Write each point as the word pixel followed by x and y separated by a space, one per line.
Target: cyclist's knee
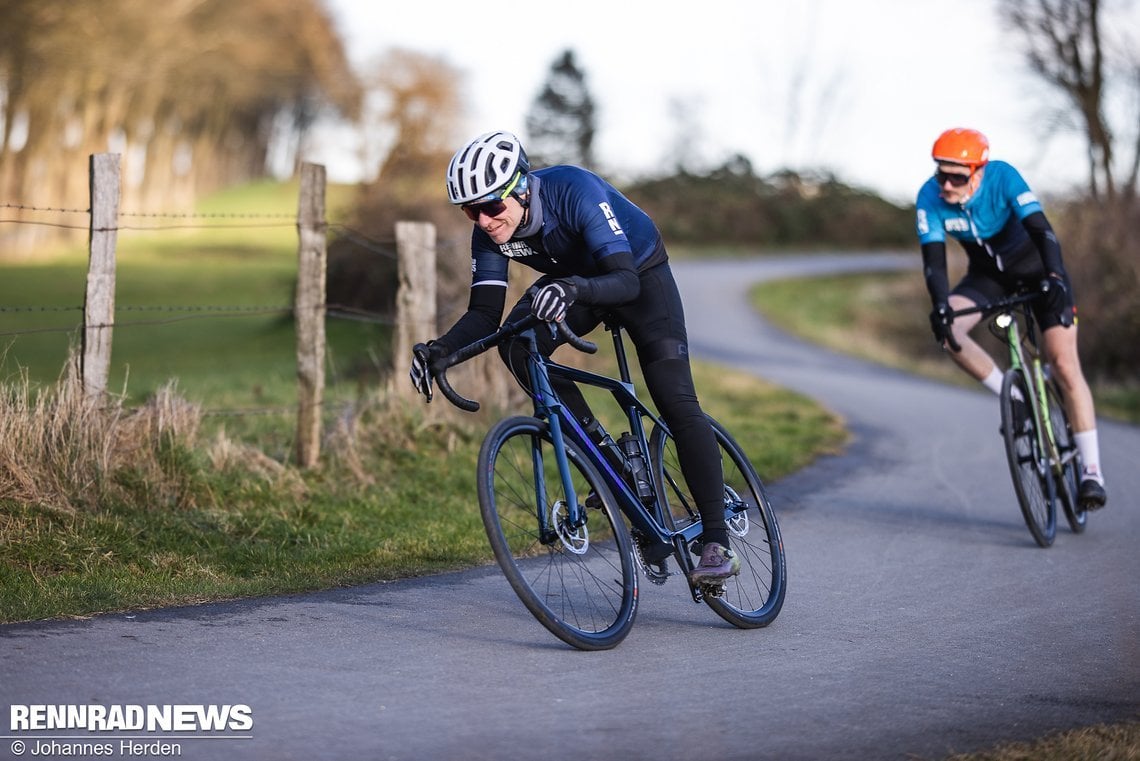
pixel 662 349
pixel 1067 369
pixel 670 383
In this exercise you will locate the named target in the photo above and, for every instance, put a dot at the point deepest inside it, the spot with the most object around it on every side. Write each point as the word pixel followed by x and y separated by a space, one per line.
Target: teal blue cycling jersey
pixel 989 224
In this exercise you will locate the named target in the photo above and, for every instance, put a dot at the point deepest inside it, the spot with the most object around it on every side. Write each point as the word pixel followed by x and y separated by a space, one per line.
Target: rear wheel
pixel 580 582
pixel 1028 463
pixel 1067 475
pixel 753 598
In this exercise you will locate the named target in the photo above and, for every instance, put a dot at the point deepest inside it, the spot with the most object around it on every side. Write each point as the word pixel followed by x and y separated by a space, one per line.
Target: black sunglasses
pixel 490 208
pixel 956 180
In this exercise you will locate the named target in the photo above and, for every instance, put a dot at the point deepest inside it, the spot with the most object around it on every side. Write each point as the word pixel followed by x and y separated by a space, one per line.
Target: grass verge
pixel 881 317
pixel 186 518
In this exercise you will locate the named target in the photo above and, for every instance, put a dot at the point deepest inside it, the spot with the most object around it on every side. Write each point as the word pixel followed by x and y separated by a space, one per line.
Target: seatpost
pixel 619 350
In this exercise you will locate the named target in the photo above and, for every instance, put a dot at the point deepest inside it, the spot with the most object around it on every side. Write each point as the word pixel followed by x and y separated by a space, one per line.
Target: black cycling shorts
pixel 984 287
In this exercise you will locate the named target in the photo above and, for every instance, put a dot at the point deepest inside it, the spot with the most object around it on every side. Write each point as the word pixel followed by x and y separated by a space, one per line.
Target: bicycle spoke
pixel 755 596
pixel 1028 463
pixel 1067 472
pixel 587 597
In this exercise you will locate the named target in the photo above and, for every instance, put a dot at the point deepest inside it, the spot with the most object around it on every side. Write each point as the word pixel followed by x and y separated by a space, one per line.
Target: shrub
pixel 1098 244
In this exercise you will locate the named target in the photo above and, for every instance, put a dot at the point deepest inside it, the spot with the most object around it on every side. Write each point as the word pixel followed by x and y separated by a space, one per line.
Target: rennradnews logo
pixel 115 718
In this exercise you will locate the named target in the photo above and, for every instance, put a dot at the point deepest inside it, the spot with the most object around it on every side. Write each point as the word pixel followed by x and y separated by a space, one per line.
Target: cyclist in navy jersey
pixel 599 253
pixel 990 210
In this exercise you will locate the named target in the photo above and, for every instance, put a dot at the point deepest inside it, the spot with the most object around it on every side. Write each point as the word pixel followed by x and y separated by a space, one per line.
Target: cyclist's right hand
pixel 941 318
pixel 423 356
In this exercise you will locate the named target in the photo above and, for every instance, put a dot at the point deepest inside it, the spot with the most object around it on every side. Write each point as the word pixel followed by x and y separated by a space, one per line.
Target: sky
pixel 860 88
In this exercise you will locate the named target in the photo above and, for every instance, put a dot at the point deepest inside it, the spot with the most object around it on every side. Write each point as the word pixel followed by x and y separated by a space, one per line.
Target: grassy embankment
pixel 881 317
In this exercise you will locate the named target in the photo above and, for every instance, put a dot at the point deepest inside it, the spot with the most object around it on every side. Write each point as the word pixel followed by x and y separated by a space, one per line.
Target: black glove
pixel 1056 298
pixel 553 299
pixel 941 318
pixel 423 356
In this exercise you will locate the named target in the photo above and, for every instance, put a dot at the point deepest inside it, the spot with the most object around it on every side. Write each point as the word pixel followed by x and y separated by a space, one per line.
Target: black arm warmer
pixel 934 270
pixel 619 282
pixel 484 310
pixel 1046 241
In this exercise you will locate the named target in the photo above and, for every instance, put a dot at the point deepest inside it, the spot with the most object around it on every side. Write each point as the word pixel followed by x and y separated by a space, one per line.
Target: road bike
pixel 1043 457
pixel 552 499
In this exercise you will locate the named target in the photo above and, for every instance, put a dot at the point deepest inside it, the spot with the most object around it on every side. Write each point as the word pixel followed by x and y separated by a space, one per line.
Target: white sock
pixel 993 380
pixel 1089 447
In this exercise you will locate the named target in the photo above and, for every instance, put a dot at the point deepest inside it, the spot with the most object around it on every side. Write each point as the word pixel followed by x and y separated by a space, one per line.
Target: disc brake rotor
pixel 575 540
pixel 738 523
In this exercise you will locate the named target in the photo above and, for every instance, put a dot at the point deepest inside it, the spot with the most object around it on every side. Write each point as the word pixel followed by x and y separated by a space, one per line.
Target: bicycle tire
pixel 1028 465
pixel 754 598
pixel 1067 478
pixel 581 585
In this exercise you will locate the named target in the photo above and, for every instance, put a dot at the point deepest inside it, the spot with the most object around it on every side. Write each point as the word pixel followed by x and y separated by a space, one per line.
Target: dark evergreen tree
pixel 561 123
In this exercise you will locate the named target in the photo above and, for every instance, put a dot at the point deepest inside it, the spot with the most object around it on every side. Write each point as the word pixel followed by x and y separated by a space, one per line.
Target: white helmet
pixel 490 167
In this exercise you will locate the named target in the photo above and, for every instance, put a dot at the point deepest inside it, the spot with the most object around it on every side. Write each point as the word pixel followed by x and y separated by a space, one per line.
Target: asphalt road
pixel 921 619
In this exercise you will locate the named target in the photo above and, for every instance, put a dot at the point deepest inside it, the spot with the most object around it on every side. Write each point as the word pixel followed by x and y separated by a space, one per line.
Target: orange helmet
pixel 962 146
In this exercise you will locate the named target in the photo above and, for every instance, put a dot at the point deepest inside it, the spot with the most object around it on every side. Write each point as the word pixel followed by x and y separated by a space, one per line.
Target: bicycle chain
pixel 654 576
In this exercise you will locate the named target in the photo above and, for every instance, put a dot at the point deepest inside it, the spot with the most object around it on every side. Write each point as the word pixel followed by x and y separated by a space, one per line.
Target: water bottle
pixel 636 467
pixel 606 444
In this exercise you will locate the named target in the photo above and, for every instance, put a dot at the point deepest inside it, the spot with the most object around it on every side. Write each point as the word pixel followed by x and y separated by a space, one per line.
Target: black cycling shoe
pixel 1091 495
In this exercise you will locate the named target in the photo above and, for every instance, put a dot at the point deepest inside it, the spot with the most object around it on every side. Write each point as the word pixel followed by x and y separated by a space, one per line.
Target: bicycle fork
pixel 574 519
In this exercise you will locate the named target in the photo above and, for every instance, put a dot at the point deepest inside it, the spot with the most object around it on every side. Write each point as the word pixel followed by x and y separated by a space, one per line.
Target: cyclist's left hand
pixel 1056 297
pixel 553 299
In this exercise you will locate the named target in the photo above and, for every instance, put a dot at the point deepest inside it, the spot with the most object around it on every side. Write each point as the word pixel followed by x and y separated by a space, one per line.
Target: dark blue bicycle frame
pixel 562 423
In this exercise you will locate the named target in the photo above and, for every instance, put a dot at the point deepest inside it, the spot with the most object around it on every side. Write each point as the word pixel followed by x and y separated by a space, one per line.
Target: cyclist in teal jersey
pixel 601 256
pixel 989 209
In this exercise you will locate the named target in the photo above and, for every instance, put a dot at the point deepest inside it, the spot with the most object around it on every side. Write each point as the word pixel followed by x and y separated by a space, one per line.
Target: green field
pixel 204 300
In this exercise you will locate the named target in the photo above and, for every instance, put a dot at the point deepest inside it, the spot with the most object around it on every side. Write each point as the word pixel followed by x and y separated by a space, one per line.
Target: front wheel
pixel 1028 462
pixel 579 581
pixel 753 598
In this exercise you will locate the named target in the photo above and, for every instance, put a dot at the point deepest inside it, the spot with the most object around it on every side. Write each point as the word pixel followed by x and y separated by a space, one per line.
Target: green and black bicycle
pixel 1043 457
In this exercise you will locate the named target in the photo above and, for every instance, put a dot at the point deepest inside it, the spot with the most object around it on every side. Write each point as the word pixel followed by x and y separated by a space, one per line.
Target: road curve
pixel 921 619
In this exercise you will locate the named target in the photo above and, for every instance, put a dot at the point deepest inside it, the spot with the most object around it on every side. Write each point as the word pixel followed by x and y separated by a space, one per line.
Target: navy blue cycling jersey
pixel 583 219
pixel 989 225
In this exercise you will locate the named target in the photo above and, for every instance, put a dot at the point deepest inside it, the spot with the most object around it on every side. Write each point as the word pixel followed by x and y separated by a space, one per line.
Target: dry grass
pixel 1104 742
pixel 64 450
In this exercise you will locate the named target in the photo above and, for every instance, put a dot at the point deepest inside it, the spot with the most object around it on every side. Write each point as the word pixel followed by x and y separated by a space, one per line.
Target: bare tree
pixel 1067 46
pixel 187 90
pixel 420 103
pixel 685 154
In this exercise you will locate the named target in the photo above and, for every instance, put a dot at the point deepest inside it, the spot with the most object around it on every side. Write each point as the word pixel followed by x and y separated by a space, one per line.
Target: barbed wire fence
pixel 414 319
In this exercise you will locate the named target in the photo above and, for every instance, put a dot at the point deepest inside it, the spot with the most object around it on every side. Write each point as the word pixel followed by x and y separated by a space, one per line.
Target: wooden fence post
pixel 309 312
pixel 99 301
pixel 415 297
